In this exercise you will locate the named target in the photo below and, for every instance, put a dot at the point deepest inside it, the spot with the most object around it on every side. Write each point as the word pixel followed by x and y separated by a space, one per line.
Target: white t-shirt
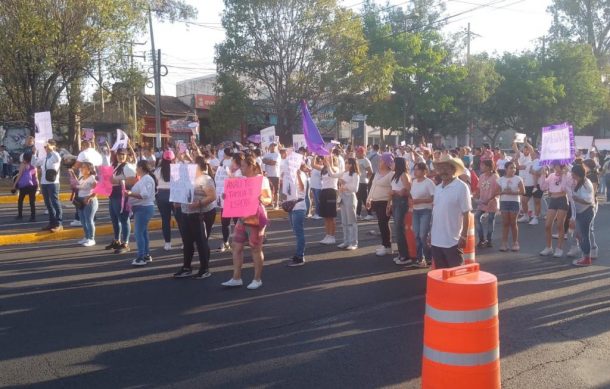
pixel 145 187
pixel 526 161
pixel 52 161
pixel 450 203
pixel 90 155
pixel 296 193
pixel 501 163
pixel 273 170
pixel 316 179
pixel 422 190
pixel 85 186
pixel 510 184
pixel 214 162
pixel 362 165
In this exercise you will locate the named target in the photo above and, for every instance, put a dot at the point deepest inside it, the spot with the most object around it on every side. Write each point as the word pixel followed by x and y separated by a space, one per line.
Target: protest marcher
pixel 5 162
pixel 366 172
pixel 583 196
pixel 90 155
pixel 487 196
pixel 524 162
pixel 296 216
pixel 559 187
pixel 86 202
pixel 141 200
pixel 328 197
pixel 255 225
pixel 27 184
pixel 166 208
pixel 272 161
pixel 49 186
pixel 232 171
pixel 591 168
pixel 511 190
pixel 123 176
pixel 399 206
pixel 348 186
pixel 422 194
pixel 450 211
pixel 378 200
pixel 194 223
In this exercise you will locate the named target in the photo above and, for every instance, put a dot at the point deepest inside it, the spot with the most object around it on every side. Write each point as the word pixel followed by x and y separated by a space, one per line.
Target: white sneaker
pixel 547 251
pixel 342 245
pixel 369 217
pixel 385 251
pixel 82 241
pixel 331 240
pixel 76 223
pixel 558 253
pixel 352 247
pixel 167 246
pixel 404 261
pixel 534 221
pixel 574 251
pixel 232 282
pixel 89 243
pixel 324 240
pixel 594 253
pixel 523 219
pixel 316 217
pixel 255 284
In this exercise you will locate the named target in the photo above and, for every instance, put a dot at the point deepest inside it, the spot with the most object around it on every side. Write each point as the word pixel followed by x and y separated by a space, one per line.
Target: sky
pixel 503 26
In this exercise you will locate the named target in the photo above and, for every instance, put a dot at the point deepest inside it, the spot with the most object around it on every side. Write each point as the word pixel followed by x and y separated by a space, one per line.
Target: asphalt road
pixel 83 318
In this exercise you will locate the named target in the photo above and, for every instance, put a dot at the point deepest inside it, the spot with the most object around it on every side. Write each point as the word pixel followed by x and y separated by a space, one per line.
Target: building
pixel 178 120
pixel 199 94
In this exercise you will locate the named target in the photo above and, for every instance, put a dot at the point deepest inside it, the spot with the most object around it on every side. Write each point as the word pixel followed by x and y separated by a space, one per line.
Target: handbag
pixel 259 219
pixel 288 205
pixel 78 202
pixel 49 174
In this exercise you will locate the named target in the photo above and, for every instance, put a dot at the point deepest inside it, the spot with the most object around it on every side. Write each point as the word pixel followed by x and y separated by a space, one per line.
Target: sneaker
pixel 232 283
pixel 404 261
pixel 123 248
pixel 82 241
pixel 148 258
pixel 584 261
pixel 316 217
pixel 202 276
pixel 139 262
pixel 222 248
pixel 523 219
pixel 534 221
pixel 296 261
pixel 422 264
pixel 546 251
pixel 369 217
pixel 183 273
pixel 328 240
pixel 76 223
pixel 515 247
pixel 342 245
pixel 57 229
pixel 167 246
pixel 482 244
pixel 113 245
pixel 255 284
pixel 558 253
pixel 352 247
pixel 384 251
pixel 89 243
pixel 594 253
pixel 574 252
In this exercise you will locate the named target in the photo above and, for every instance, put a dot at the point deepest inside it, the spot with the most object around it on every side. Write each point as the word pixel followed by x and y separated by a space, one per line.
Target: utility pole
pixel 157 80
pixel 99 75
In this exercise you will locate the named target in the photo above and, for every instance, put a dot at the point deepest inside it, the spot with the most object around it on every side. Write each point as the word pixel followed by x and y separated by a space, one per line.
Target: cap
pixel 169 155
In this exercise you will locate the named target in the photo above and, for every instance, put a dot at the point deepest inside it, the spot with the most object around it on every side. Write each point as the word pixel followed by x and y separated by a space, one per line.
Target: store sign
pixel 182 125
pixel 204 101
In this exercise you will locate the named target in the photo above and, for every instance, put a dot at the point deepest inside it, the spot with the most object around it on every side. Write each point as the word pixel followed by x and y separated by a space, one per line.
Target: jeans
pixel 29 191
pixel 307 200
pixel 399 210
pixel 421 227
pixel 194 233
pixel 491 217
pixel 120 220
pixel 165 210
pixel 297 222
pixel 383 222
pixel 142 215
pixel 316 199
pixel 87 213
pixel 583 223
pixel 349 223
pixel 50 193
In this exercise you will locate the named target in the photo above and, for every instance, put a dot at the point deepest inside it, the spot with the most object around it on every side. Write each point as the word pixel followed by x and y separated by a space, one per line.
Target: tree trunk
pixel 74 109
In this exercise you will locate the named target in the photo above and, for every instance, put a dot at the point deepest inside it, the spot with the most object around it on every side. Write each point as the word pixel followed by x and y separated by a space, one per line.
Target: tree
pixel 232 107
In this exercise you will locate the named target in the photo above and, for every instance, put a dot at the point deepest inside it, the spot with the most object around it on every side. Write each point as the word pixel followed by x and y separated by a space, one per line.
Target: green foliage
pixel 232 107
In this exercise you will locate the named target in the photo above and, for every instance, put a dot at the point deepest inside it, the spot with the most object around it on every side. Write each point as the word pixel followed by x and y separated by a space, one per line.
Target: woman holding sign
pixel 558 185
pixel 86 203
pixel 123 175
pixel 256 225
pixel 142 200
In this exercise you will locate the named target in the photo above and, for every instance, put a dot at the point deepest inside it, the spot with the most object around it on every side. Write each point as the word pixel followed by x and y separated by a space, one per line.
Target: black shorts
pixel 559 203
pixel 533 191
pixel 328 203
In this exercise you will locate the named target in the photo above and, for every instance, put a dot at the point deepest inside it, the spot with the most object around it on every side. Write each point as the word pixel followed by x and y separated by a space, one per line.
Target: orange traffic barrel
pixel 469 248
pixel 461 331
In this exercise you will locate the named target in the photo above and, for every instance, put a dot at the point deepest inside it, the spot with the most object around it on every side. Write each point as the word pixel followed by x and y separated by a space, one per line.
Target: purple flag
pixel 315 143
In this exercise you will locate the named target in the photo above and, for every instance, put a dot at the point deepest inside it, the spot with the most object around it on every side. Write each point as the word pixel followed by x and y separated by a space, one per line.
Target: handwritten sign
pixel 602 144
pixel 519 137
pixel 44 132
pixel 557 144
pixel 583 142
pixel 220 177
pixel 104 180
pixel 267 136
pixel 298 141
pixel 182 179
pixel 241 196
pixel 122 140
pixel 88 134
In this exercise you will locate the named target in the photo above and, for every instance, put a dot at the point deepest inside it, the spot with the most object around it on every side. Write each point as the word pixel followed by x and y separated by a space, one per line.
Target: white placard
pixel 298 141
pixel 267 136
pixel 294 160
pixel 182 183
pixel 583 142
pixel 519 137
pixel 44 132
pixel 122 140
pixel 222 173
pixel 555 145
pixel 602 144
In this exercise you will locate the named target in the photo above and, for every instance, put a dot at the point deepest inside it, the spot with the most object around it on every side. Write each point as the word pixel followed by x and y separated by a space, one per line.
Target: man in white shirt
pixel 49 185
pixel 272 161
pixel 88 154
pixel 450 213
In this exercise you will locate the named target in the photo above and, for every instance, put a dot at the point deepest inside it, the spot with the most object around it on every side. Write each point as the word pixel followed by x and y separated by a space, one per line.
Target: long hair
pixel 579 171
pixel 400 167
pixel 354 166
pixel 203 165
pixel 490 164
pixel 165 169
pixel 143 164
pixel 250 160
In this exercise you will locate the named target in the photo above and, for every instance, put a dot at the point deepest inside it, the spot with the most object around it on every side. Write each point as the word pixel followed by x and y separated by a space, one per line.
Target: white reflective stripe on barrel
pixel 470 231
pixel 460 359
pixel 468 255
pixel 472 316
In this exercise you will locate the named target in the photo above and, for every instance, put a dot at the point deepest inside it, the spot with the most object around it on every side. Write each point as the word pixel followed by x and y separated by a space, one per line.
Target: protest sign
pixel 298 141
pixel 557 144
pixel 44 132
pixel 583 142
pixel 182 180
pixel 104 180
pixel 122 140
pixel 88 133
pixel 241 196
pixel 294 161
pixel 602 144
pixel 181 147
pixel 267 136
pixel 519 137
pixel 403 143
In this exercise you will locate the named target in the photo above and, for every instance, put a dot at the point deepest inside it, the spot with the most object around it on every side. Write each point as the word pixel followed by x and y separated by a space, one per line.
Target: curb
pixel 12 199
pixel 100 230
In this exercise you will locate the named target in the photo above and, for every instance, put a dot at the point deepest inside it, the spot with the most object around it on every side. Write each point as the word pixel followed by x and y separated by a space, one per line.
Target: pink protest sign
pixel 104 180
pixel 241 196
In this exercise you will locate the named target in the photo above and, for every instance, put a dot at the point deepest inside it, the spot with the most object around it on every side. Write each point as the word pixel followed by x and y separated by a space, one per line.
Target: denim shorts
pixel 509 206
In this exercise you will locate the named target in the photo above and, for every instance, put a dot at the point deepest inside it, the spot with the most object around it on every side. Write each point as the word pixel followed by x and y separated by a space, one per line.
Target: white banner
pixel 267 136
pixel 602 144
pixel 182 183
pixel 298 141
pixel 44 132
pixel 583 142
pixel 556 144
pixel 122 140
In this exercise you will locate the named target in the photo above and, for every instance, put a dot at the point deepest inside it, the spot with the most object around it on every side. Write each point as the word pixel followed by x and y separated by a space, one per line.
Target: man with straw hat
pixel 449 213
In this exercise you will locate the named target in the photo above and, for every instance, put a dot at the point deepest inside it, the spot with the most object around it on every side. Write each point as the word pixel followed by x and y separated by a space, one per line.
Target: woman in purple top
pixel 27 184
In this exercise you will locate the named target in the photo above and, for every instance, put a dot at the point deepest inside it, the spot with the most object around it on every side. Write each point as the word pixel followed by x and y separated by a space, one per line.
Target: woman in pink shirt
pixel 559 186
pixel 487 195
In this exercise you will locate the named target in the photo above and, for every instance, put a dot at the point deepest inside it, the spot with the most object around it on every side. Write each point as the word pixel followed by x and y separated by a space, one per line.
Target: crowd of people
pixel 437 188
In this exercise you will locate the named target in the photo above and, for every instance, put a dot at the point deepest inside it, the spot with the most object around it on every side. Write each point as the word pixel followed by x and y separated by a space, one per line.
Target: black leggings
pixel 383 221
pixel 363 192
pixel 225 223
pixel 194 233
pixel 27 191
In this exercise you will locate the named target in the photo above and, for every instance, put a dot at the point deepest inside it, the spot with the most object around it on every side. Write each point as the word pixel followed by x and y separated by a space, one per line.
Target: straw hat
pixel 456 162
